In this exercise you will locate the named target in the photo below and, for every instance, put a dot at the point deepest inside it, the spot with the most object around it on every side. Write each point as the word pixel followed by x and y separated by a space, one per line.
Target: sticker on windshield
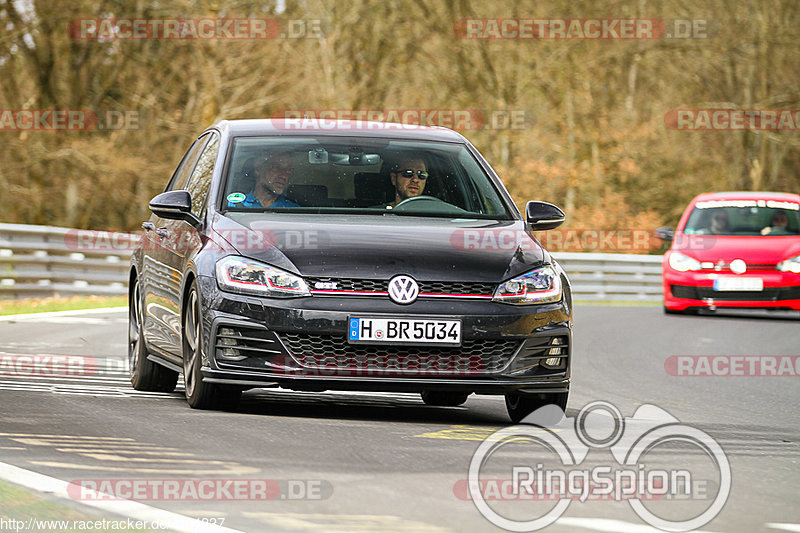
pixel 236 197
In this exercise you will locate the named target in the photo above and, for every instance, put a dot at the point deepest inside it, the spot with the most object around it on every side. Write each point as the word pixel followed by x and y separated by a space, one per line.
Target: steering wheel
pixel 428 204
pixel 420 200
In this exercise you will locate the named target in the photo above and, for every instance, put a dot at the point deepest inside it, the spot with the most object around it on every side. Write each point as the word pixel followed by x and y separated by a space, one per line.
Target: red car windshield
pixel 744 217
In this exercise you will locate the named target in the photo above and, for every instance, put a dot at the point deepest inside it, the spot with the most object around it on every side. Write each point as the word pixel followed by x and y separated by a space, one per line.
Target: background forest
pixel 595 140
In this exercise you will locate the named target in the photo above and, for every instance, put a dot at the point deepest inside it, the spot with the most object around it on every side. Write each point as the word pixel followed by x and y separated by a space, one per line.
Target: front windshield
pixel 355 175
pixel 744 217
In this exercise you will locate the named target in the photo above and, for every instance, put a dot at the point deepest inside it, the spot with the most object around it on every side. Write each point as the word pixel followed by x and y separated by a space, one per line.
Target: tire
pixel 145 374
pixel 200 395
pixel 521 405
pixel 444 398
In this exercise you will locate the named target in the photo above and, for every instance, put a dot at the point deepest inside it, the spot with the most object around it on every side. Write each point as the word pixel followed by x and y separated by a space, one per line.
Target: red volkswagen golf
pixel 734 249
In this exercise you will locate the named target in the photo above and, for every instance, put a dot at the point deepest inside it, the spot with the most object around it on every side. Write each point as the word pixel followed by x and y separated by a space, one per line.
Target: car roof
pixel 747 195
pixel 341 128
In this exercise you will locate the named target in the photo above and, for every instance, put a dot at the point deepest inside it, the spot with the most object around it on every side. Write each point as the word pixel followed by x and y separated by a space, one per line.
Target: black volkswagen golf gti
pixel 346 256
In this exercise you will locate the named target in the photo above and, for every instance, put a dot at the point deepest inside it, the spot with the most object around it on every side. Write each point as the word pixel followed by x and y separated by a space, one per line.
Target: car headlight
pixel 538 286
pixel 790 265
pixel 245 276
pixel 683 263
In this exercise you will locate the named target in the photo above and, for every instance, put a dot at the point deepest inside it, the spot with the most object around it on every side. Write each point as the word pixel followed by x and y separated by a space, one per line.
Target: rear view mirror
pixel 355 159
pixel 174 205
pixel 543 216
pixel 665 233
pixel 318 156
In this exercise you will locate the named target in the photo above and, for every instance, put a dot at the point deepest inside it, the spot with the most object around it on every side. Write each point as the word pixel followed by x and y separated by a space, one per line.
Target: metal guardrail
pixel 40 261
pixel 618 277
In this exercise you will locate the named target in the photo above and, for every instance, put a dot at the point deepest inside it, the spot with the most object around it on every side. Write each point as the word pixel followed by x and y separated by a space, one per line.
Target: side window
pixel 201 177
pixel 184 170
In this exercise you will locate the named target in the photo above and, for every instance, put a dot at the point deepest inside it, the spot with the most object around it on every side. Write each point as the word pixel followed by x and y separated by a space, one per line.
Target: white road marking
pixel 344 523
pixel 87 389
pixel 127 508
pixel 33 317
pixel 233 470
pixel 113 450
pixel 612 526
pixel 75 320
pixel 783 526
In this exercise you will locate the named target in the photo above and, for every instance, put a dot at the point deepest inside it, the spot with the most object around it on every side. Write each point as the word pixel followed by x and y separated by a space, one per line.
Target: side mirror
pixel 543 216
pixel 665 233
pixel 174 205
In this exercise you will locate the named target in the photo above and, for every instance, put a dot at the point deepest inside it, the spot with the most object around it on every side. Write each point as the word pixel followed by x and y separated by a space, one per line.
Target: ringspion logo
pixel 666 495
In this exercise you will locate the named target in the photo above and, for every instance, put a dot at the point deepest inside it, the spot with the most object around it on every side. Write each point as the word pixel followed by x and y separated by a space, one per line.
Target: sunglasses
pixel 409 173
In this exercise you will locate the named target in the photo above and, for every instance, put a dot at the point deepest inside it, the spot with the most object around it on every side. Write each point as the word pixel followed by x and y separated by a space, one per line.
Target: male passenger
pixel 272 179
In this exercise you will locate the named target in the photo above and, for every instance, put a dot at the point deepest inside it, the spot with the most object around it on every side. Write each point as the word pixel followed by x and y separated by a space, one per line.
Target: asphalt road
pixel 384 462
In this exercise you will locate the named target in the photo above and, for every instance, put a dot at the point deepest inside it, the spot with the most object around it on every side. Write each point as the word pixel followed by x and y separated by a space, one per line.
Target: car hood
pixel 752 249
pixel 379 247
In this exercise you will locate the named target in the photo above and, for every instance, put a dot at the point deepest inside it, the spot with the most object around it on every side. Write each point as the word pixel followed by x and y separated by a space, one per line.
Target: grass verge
pixel 31 511
pixel 617 303
pixel 41 305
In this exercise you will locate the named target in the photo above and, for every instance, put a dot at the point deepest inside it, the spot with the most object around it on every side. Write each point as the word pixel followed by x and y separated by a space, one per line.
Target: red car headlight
pixel 683 263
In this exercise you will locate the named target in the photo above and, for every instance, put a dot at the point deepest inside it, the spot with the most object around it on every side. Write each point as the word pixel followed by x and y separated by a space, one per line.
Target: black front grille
pixel 462 288
pixel 543 355
pixel 429 287
pixel 334 352
pixel 769 294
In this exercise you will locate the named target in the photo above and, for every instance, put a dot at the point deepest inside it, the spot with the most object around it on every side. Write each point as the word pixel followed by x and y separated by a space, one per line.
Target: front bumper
pixel 302 344
pixel 695 289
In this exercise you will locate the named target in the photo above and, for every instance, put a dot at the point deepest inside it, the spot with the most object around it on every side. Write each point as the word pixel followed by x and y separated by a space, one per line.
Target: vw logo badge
pixel 403 289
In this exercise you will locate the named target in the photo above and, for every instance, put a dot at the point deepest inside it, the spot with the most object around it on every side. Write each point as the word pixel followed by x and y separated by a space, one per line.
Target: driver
pixel 408 176
pixel 778 224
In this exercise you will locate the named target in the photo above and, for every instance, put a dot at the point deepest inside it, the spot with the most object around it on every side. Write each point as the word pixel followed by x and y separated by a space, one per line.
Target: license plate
pixel 738 284
pixel 406 330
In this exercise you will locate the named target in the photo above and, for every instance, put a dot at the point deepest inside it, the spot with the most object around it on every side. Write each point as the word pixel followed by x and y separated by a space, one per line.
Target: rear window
pixel 744 217
pixel 355 175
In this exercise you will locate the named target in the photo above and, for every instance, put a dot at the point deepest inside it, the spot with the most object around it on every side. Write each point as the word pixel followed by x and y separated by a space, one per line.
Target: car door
pixel 156 276
pixel 182 240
